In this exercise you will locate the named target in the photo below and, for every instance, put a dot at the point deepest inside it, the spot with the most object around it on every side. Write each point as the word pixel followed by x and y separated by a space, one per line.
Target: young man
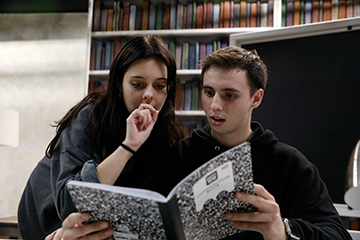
pixel 291 198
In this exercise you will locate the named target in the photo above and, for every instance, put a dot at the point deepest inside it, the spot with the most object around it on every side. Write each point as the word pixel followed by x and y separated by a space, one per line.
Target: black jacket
pixel 281 169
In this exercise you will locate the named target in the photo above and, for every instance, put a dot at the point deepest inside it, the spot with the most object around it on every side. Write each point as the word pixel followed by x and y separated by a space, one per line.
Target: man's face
pixel 227 103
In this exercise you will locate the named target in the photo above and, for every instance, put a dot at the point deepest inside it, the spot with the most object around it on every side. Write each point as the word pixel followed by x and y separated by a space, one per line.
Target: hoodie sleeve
pixel 310 206
pixel 72 160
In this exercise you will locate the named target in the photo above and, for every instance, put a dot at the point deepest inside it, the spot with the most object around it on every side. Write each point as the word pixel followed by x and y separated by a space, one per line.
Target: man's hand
pixel 267 220
pixel 72 228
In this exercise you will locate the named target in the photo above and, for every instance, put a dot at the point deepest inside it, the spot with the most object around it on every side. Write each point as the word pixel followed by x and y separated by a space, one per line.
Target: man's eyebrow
pixel 230 90
pixel 224 89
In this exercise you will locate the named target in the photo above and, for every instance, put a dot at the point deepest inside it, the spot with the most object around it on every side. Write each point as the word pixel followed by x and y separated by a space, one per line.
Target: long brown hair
pixel 108 112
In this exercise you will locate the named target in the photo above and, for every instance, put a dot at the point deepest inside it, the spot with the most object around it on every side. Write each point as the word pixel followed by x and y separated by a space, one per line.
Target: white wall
pixel 42 74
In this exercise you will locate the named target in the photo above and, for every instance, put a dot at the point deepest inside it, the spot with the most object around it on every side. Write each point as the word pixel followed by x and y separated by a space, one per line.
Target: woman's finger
pixel 74 218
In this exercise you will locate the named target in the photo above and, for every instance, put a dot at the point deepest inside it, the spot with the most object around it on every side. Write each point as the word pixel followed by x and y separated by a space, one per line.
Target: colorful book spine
pixel 185 56
pixel 132 17
pixel 145 17
pixel 159 15
pixel 188 93
pixel 152 17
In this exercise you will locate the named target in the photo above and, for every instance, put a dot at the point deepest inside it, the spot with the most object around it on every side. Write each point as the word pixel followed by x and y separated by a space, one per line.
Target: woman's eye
pixel 136 85
pixel 161 86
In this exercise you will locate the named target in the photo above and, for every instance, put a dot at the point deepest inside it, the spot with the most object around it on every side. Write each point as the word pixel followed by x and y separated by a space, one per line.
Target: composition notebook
pixel 194 209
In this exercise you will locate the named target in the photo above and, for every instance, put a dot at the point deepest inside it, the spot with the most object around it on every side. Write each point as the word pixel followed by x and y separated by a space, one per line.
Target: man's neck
pixel 232 141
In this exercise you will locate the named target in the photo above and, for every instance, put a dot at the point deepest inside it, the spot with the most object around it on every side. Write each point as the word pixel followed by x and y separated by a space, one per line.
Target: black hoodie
pixel 281 169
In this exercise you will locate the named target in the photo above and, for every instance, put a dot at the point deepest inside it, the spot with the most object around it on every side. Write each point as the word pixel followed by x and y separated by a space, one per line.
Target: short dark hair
pixel 239 58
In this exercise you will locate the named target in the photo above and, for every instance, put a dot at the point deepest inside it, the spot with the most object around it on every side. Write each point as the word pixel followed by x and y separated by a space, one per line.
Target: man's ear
pixel 257 97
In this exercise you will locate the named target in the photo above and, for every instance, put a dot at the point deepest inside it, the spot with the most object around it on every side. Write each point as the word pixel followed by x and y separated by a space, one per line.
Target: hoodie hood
pixel 260 139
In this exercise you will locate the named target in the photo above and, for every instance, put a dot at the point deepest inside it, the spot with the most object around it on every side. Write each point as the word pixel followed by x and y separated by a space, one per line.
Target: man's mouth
pixel 217 120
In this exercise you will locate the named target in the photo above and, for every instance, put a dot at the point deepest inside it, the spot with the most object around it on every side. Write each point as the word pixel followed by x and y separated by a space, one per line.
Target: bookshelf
pixel 107 32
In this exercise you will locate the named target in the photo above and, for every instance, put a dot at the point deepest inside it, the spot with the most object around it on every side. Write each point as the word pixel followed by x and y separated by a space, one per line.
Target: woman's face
pixel 145 82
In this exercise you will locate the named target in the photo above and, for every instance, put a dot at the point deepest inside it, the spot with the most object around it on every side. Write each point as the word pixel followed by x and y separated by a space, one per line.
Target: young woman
pixel 112 136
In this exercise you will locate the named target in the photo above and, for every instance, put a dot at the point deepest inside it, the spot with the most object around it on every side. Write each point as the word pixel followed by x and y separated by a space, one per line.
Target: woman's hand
pixel 72 228
pixel 267 220
pixel 139 125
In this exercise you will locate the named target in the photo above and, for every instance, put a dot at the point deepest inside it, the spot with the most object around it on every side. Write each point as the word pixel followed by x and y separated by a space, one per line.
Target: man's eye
pixel 230 95
pixel 209 93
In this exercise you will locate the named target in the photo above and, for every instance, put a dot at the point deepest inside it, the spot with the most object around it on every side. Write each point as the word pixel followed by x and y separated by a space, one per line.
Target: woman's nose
pixel 148 96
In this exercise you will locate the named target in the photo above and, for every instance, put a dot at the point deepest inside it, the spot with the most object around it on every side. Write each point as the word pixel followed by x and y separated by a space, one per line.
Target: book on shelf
pixel 173 14
pixel 126 16
pixel 297 10
pixel 321 10
pixel 152 17
pixel 97 15
pixel 166 16
pixel 253 14
pixel 199 15
pixel 180 96
pixel 108 50
pixel 195 88
pixel 202 52
pixel 179 16
pixel 216 15
pixel 204 15
pixel 195 207
pixel 189 15
pixel 192 56
pixel 145 16
pixel 197 48
pixel 159 15
pixel 221 21
pixel 178 55
pixel 103 20
pixel 349 8
pixel 98 54
pixel 92 58
pixel 121 19
pixel 193 20
pixel 132 17
pixel 208 19
pixel 171 46
pixel 185 55
pixel 226 14
pixel 315 11
pixel 327 10
pixel 308 11
pixel 110 20
pixel 289 13
pixel 236 22
pixel 188 95
pixel 231 13
pixel 258 13
pixel 116 18
pixel 264 14
pixel 209 48
pixel 138 18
